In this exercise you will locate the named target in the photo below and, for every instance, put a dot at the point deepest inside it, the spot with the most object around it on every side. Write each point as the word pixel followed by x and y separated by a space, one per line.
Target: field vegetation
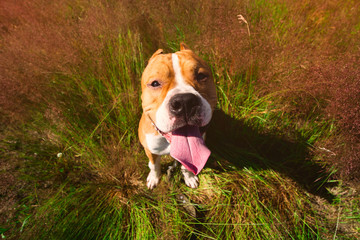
pixel 285 138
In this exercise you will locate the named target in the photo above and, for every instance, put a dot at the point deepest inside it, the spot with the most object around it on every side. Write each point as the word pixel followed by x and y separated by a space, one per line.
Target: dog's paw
pixel 153 180
pixel 191 180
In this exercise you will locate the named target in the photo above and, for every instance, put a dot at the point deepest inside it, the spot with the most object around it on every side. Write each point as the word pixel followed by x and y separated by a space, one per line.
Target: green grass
pixel 262 181
pixel 101 102
pixel 244 194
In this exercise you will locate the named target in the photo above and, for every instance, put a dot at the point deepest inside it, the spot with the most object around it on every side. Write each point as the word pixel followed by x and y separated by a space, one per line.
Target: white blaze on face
pixel 180 83
pixel 164 120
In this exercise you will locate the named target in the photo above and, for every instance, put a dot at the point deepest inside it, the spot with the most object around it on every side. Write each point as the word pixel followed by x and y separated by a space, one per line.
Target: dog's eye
pixel 201 77
pixel 155 84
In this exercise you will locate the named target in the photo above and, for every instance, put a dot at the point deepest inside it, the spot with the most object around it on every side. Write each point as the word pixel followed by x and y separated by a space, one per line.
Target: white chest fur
pixel 157 144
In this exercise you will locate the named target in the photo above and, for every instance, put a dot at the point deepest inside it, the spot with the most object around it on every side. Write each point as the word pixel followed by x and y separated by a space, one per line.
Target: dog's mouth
pixel 187 146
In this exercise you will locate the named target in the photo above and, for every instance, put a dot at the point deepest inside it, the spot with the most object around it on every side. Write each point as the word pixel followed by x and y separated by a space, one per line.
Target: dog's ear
pixel 183 46
pixel 159 51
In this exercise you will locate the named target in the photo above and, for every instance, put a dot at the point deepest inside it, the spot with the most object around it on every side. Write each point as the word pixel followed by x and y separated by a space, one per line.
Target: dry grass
pixel 40 38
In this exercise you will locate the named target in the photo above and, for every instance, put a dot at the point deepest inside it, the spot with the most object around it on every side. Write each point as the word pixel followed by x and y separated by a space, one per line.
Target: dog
pixel 178 100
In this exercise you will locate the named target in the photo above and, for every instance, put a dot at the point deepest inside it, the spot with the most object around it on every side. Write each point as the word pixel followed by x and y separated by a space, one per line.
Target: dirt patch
pixel 337 218
pixel 11 187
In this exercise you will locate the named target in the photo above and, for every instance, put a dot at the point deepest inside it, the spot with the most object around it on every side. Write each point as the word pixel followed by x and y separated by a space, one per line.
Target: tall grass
pixel 266 175
pixel 104 105
pixel 237 199
pixel 95 212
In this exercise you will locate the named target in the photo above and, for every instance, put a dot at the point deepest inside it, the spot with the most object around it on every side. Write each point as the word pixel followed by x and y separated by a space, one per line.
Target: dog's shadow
pixel 232 141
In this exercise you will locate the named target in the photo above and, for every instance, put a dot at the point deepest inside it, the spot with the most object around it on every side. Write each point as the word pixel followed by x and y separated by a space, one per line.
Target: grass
pixel 84 170
pixel 251 201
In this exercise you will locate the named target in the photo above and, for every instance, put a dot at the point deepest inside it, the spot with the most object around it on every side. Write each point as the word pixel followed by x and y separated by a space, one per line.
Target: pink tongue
pixel 187 146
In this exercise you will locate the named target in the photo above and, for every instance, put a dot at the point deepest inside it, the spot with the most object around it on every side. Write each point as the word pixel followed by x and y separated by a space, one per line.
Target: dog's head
pixel 178 90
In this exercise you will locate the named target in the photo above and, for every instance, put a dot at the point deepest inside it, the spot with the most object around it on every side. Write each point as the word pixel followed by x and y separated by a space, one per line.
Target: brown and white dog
pixel 178 99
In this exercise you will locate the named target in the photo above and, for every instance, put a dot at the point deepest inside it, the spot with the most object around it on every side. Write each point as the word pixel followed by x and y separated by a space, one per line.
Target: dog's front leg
pixel 155 169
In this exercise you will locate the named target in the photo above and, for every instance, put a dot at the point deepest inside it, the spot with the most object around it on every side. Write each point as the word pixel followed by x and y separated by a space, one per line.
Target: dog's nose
pixel 185 104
